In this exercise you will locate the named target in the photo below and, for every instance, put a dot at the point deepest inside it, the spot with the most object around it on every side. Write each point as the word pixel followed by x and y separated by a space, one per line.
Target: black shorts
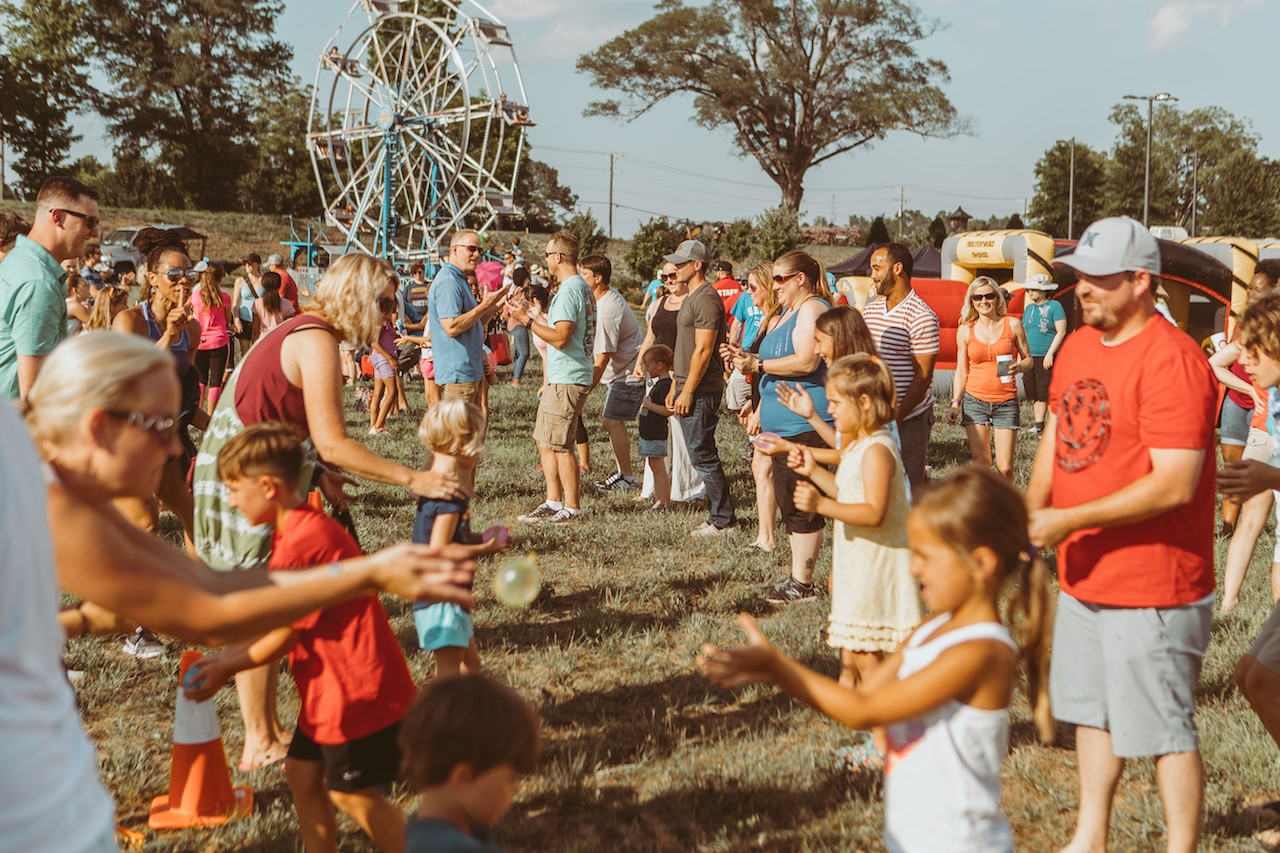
pixel 1035 382
pixel 784 488
pixel 365 762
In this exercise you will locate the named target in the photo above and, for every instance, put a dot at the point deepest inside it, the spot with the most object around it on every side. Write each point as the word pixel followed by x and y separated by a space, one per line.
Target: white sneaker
pixel 144 645
pixel 543 512
pixel 563 516
pixel 617 482
pixel 707 529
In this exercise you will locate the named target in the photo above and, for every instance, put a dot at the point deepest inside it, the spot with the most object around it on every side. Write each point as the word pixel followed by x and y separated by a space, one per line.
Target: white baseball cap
pixel 1114 245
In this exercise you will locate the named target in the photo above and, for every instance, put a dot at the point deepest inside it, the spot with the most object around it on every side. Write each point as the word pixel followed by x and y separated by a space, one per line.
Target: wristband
pixel 335 569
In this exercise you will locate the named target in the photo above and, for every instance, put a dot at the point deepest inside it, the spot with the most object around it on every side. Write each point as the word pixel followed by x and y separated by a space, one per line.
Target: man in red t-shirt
pixel 726 286
pixel 1123 485
pixel 288 287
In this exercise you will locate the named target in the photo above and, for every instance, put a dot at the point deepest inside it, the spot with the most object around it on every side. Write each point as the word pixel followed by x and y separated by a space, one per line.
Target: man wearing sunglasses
pixel 33 308
pixel 456 320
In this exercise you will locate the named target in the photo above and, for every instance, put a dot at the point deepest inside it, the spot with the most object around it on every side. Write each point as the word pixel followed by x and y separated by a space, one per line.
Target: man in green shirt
pixel 33 307
pixel 569 331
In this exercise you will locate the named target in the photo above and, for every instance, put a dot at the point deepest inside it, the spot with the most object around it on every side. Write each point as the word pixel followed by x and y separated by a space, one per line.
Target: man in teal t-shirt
pixel 33 293
pixel 569 331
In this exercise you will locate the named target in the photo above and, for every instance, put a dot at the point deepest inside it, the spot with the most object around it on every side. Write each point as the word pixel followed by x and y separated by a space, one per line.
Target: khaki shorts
pixel 558 413
pixel 468 391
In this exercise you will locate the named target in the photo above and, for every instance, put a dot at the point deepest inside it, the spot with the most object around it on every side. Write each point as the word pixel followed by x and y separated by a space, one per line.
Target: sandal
pixel 862 755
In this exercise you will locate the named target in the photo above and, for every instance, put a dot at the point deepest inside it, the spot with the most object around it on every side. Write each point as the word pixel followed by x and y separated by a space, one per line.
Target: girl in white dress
pixel 944 696
pixel 874 601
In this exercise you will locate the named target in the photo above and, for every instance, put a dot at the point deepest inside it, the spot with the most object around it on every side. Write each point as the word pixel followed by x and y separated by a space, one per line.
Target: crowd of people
pixel 836 408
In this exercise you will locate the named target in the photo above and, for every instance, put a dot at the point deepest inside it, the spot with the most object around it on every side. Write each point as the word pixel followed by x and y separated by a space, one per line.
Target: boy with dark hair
pixel 352 678
pixel 467 741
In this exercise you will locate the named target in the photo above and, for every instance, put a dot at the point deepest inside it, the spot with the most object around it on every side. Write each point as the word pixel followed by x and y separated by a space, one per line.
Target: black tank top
pixel 663 324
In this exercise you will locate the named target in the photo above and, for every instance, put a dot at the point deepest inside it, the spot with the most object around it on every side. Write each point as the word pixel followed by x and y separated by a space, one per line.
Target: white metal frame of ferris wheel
pixel 412 138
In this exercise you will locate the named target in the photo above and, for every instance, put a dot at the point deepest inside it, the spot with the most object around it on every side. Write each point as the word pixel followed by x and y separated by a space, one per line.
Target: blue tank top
pixel 181 349
pixel 775 417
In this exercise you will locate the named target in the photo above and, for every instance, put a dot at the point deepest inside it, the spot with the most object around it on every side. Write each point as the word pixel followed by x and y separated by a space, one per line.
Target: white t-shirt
pixel 50 796
pixel 942 771
pixel 617 332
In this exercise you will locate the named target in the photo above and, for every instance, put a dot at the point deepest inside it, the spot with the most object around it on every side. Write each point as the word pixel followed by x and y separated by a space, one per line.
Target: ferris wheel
pixel 417 124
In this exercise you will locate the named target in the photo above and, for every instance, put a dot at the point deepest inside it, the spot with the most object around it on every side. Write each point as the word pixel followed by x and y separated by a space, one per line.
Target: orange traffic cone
pixel 200 791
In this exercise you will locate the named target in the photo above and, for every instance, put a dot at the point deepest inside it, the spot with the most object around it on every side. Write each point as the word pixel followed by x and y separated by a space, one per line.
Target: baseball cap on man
pixel 724 266
pixel 275 260
pixel 1114 245
pixel 689 250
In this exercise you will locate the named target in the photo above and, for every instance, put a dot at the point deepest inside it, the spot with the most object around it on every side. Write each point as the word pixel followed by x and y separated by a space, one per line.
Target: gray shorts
pixel 622 401
pixel 1266 649
pixel 1131 672
pixel 737 392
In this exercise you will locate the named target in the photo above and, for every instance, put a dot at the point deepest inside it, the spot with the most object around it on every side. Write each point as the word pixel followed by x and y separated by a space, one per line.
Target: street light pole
pixel 1146 183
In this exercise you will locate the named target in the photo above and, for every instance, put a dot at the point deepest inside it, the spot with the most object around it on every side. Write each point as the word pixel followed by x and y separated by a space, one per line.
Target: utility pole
pixel 1071 194
pixel 1195 188
pixel 902 203
pixel 612 159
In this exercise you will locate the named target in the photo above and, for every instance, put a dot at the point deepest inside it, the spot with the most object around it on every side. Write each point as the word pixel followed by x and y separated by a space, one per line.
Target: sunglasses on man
pixel 91 222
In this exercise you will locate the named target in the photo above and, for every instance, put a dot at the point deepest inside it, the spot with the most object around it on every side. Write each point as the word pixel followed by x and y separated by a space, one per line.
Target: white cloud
pixel 1180 24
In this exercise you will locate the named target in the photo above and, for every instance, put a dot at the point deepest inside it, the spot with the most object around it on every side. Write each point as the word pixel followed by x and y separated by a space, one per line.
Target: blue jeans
pixel 699 428
pixel 520 356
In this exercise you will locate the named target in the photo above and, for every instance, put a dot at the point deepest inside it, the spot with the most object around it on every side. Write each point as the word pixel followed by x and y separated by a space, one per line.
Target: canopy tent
pixel 859 264
pixel 926 262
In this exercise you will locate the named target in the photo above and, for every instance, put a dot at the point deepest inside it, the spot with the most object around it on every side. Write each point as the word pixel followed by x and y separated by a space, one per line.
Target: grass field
pixel 640 753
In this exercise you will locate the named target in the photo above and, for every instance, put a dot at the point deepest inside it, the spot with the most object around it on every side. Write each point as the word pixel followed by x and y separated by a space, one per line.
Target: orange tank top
pixel 981 381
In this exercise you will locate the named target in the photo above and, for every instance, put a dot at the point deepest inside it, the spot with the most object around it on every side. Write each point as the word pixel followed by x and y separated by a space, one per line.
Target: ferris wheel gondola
pixel 417 126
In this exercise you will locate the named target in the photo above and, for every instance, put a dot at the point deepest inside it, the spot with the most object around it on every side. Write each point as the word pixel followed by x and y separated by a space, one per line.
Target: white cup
pixel 1002 368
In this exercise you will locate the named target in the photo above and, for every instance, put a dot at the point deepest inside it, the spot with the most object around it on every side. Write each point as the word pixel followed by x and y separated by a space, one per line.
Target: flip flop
pixel 246 767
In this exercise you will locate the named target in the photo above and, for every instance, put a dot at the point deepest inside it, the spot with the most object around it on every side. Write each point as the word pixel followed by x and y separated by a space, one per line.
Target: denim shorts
pixel 1234 423
pixel 622 402
pixel 996 415
pixel 653 448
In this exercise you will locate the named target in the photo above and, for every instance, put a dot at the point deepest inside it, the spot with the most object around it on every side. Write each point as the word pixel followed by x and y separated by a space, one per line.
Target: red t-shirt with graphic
pixel 1113 405
pixel 728 289
pixel 351 675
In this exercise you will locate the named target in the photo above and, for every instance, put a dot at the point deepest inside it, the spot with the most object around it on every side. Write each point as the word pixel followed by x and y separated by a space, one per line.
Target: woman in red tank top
pixel 292 375
pixel 991 349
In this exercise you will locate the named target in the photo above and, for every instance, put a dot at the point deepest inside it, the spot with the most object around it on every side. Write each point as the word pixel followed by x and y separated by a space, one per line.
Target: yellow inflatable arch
pixel 1023 251
pixel 1240 256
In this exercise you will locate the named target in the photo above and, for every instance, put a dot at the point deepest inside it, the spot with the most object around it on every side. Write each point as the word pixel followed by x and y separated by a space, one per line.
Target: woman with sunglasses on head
pixel 991 349
pixel 788 353
pixel 292 375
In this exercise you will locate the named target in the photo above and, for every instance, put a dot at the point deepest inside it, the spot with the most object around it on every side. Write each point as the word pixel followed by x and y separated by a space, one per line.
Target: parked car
pixel 119 253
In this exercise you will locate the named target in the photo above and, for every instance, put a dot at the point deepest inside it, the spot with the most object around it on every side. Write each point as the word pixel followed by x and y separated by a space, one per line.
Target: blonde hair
pixel 852 376
pixel 453 428
pixel 101 315
pixel 95 370
pixel 348 294
pixel 975 508
pixel 968 313
pixel 762 273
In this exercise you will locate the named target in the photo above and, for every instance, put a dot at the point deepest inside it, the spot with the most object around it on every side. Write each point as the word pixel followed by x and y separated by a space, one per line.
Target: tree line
pixel 200 108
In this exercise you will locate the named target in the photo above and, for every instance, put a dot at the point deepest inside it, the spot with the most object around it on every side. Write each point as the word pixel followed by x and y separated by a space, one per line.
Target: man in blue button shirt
pixel 457 321
pixel 33 293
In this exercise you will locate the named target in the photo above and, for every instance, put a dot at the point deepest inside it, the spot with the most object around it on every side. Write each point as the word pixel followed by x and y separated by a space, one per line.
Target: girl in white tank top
pixel 943 698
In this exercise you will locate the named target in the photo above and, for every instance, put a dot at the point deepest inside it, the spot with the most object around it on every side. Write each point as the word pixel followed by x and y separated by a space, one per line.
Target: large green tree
pixel 278 177
pixel 1051 203
pixel 184 77
pixel 797 83
pixel 43 83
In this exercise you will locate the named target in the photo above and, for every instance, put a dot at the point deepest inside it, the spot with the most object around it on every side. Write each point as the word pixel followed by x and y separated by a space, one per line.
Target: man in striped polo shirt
pixel 906 334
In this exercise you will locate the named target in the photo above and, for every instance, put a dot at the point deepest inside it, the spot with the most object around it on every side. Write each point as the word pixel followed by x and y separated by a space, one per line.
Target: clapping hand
pixel 797 399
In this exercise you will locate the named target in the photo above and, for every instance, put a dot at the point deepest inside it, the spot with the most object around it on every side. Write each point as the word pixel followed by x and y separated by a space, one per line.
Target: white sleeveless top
pixel 942 771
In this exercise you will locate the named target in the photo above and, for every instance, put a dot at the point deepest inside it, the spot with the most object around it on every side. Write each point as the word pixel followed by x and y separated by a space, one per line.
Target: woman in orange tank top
pixel 991 349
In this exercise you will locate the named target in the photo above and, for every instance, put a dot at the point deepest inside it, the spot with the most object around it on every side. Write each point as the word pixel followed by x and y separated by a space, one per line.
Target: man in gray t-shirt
pixel 618 340
pixel 701 329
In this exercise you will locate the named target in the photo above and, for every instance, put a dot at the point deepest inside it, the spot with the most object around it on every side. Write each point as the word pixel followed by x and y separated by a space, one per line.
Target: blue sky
pixel 1026 72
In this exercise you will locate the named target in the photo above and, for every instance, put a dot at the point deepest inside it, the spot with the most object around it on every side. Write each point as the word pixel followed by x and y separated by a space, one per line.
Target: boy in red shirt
pixel 351 674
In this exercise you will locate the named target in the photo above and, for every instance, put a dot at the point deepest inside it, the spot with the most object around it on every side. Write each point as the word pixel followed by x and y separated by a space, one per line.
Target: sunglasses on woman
pixel 783 279
pixel 667 277
pixel 983 297
pixel 177 274
pixel 160 426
